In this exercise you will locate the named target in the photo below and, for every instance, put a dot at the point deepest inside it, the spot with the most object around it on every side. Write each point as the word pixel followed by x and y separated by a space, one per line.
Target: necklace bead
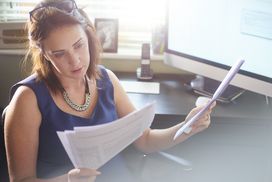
pixel 78 107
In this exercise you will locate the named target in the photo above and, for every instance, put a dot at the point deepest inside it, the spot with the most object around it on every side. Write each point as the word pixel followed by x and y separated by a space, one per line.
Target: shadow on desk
pixel 229 150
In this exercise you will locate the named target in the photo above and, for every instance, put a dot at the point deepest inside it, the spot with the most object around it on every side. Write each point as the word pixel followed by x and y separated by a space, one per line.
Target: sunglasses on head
pixel 67 6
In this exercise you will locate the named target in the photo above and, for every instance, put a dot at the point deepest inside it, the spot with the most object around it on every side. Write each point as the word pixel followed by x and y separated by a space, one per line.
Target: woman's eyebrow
pixel 80 39
pixel 62 50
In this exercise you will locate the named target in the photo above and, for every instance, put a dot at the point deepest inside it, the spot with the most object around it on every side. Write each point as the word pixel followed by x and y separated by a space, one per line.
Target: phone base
pixel 142 76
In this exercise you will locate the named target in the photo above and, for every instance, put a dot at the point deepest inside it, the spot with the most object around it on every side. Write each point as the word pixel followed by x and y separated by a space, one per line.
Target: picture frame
pixel 107 33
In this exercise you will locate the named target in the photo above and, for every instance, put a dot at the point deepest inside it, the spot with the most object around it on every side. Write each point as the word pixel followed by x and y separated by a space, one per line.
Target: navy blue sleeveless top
pixel 52 159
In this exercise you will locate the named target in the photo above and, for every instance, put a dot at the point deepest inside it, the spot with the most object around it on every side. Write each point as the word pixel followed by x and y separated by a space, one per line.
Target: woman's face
pixel 67 49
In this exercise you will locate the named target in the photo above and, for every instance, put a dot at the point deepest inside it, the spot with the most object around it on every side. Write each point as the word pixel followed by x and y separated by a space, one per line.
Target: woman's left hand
pixel 203 122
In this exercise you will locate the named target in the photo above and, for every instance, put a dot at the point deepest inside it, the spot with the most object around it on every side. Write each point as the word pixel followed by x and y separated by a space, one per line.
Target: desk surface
pixel 175 99
pixel 229 150
pixel 236 147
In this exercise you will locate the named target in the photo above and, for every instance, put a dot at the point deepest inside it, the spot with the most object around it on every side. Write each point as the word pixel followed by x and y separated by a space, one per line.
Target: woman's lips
pixel 77 70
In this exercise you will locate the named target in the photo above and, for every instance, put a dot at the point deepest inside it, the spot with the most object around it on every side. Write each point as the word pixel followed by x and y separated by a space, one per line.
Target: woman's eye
pixel 59 54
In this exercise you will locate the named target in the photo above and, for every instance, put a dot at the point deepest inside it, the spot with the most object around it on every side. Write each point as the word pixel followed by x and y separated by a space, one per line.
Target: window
pixel 136 18
pixel 15 10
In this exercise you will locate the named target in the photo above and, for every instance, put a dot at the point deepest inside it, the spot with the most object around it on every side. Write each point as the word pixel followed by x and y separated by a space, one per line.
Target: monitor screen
pixel 207 37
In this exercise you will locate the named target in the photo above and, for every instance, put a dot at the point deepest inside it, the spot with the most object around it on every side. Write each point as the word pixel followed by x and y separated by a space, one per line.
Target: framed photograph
pixel 107 32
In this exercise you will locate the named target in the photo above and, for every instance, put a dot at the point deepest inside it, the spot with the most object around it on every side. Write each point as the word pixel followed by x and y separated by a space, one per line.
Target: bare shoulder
pixel 112 76
pixel 122 101
pixel 23 106
pixel 23 96
pixel 115 81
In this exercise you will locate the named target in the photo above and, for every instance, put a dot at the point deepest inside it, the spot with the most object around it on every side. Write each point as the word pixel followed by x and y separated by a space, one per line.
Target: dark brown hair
pixel 51 19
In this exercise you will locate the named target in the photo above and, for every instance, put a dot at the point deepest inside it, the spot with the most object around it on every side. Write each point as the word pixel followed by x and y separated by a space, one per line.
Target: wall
pixel 11 71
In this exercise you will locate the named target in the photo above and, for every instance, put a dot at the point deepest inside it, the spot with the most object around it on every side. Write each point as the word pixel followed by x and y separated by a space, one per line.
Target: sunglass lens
pixel 67 6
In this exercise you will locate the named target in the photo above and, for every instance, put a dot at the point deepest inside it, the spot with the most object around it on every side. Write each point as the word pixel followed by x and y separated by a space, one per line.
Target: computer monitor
pixel 207 37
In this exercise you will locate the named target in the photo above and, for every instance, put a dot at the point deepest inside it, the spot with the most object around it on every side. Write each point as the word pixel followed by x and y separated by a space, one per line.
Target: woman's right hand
pixel 82 175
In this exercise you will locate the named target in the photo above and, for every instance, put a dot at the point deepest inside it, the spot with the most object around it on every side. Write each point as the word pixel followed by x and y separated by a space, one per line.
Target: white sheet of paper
pixel 224 84
pixel 93 146
pixel 66 145
pixel 141 87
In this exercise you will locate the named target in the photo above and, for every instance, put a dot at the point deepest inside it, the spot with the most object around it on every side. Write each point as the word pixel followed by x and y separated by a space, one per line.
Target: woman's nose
pixel 73 58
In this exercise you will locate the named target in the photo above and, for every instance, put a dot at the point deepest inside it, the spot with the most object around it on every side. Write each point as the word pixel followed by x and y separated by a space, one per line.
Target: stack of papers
pixel 93 146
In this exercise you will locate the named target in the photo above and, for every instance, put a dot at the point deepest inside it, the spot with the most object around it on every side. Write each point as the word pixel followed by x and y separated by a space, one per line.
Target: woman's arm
pixel 156 139
pixel 21 130
pixel 160 139
pixel 22 122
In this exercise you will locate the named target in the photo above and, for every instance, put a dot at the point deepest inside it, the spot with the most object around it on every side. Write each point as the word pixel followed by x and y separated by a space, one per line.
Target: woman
pixel 68 88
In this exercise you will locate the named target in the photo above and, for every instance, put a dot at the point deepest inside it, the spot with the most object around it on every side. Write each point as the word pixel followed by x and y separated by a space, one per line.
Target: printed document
pixel 93 146
pixel 221 88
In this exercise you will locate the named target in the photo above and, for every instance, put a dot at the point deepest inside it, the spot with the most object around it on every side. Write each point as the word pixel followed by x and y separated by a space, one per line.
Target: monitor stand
pixel 206 87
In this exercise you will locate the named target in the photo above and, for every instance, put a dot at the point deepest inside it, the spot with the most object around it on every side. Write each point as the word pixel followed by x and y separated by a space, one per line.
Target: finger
pixel 204 123
pixel 208 117
pixel 213 105
pixel 208 112
pixel 74 172
pixel 88 172
pixel 207 120
pixel 195 110
pixel 83 172
pixel 204 120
